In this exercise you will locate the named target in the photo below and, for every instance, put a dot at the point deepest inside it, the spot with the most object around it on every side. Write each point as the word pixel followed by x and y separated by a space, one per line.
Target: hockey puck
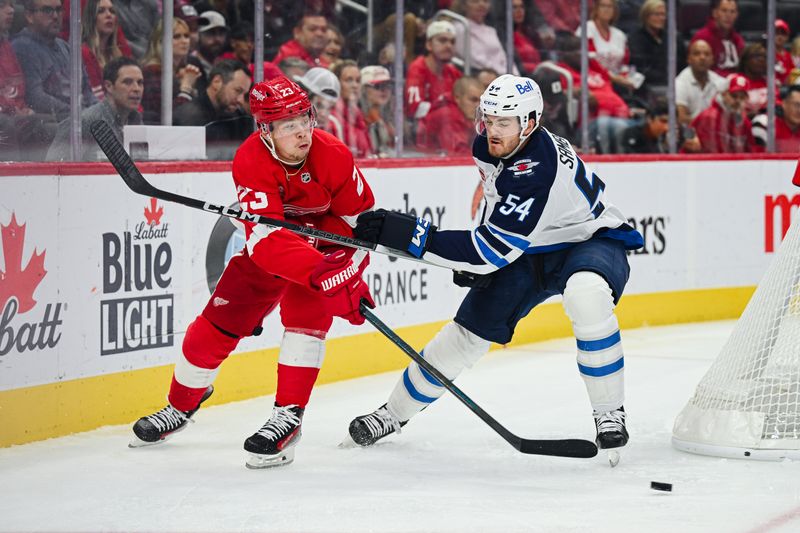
pixel 657 485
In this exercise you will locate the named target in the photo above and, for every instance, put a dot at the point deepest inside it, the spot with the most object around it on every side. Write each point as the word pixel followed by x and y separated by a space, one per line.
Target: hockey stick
pixel 127 170
pixel 557 447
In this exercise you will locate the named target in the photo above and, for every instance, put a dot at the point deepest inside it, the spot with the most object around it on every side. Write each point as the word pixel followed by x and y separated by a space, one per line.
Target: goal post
pixel 748 403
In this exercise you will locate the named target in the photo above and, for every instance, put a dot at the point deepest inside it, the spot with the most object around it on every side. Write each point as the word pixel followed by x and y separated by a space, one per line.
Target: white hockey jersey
pixel 542 199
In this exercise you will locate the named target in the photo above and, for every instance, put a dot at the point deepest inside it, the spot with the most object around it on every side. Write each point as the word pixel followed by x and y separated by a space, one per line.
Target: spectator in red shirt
pixel 560 16
pixel 432 76
pixel 724 127
pixel 242 41
pixel 99 33
pixel 450 126
pixel 726 43
pixel 523 43
pixel 310 40
pixel 347 111
pixel 783 58
pixel 787 124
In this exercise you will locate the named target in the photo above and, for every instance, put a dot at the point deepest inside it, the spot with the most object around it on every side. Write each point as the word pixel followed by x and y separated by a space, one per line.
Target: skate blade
pixel 257 461
pixel 613 457
pixel 136 442
pixel 348 443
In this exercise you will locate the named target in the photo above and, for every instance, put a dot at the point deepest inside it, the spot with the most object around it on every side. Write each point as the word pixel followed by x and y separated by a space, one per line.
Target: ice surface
pixel 447 471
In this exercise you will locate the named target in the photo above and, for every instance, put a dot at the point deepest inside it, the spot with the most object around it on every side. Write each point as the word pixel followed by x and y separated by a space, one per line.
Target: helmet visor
pixel 497 127
pixel 289 127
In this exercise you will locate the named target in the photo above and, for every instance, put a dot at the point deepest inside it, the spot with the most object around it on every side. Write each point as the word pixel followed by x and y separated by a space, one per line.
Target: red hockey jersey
pixel 328 192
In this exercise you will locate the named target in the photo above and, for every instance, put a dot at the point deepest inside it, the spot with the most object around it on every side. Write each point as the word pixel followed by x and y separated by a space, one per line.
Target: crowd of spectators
pixel 721 89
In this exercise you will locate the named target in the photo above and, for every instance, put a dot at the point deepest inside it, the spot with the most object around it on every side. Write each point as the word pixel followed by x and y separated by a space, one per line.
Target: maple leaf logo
pixel 153 215
pixel 15 281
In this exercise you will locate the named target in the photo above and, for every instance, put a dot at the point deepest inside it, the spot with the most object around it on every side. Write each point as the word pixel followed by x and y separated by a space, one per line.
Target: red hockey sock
pixel 295 384
pixel 184 398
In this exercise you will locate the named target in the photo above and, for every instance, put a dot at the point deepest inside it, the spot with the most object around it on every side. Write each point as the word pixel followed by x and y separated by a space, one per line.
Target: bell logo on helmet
pixel 522 89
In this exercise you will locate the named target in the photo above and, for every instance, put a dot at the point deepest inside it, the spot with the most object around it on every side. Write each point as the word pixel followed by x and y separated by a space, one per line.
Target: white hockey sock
pixel 452 350
pixel 590 306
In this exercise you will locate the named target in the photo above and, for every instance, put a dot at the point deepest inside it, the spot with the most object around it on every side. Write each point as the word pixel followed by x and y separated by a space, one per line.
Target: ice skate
pixel 611 433
pixel 158 427
pixel 366 430
pixel 273 444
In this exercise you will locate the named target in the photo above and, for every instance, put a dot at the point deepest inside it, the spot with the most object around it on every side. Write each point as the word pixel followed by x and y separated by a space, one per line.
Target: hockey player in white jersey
pixel 547 228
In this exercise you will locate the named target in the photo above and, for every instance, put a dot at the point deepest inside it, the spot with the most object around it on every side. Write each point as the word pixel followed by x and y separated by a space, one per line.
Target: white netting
pixel 748 403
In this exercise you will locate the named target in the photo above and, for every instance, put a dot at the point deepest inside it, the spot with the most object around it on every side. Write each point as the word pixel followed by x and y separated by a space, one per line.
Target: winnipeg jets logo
pixel 305 177
pixel 523 166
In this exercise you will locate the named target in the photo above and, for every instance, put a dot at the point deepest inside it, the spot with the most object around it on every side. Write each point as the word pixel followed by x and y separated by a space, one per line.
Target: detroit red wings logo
pixel 17 281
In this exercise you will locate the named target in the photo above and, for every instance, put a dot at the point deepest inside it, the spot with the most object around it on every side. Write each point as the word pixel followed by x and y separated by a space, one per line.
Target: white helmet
pixel 513 96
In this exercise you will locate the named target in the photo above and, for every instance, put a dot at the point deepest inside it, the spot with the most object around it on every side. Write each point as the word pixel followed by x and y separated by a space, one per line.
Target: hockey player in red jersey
pixel 285 170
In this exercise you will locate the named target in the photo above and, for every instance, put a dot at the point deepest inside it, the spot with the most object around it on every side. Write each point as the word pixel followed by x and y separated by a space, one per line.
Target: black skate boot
pixel 158 427
pixel 611 433
pixel 368 429
pixel 273 444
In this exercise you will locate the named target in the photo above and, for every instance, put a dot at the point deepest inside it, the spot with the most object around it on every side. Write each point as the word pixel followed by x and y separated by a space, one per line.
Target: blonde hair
pixel 154 47
pixel 647 9
pixel 91 38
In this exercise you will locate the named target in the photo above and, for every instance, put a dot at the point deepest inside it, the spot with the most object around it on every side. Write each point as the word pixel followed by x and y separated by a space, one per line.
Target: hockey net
pixel 748 403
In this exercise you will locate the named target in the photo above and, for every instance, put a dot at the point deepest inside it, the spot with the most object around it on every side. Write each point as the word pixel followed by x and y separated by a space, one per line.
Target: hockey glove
pixel 395 230
pixel 340 280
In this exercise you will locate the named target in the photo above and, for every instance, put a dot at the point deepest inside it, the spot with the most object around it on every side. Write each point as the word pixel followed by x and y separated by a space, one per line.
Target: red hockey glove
pixel 340 280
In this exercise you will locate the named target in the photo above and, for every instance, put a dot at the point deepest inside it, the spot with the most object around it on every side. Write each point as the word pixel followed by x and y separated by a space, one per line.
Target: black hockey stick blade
pixel 134 179
pixel 578 448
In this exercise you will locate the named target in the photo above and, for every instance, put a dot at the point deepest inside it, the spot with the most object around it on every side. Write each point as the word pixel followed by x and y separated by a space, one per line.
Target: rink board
pixel 99 284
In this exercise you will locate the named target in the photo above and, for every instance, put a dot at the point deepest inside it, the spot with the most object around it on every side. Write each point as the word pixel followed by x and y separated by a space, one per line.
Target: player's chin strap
pixel 523 138
pixel 266 138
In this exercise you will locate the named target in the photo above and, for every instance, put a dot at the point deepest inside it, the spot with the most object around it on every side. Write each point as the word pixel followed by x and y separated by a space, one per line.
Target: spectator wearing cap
pixel 724 126
pixel 485 49
pixel 650 136
pixel 697 85
pixel 555 115
pixel 220 108
pixel 188 13
pixel 450 126
pixel 45 61
pixel 137 18
pixel 787 124
pixel 753 66
pixel 431 76
pixel 783 58
pixel 347 111
pixel 719 32
pixel 211 38
pixel 310 40
pixel 377 108
pixel 99 35
pixel 188 79
pixel 323 88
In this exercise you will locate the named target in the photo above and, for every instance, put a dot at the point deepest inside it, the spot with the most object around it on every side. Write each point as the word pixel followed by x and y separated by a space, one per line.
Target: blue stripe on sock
pixel 413 391
pixel 599 344
pixel 602 370
pixel 429 377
